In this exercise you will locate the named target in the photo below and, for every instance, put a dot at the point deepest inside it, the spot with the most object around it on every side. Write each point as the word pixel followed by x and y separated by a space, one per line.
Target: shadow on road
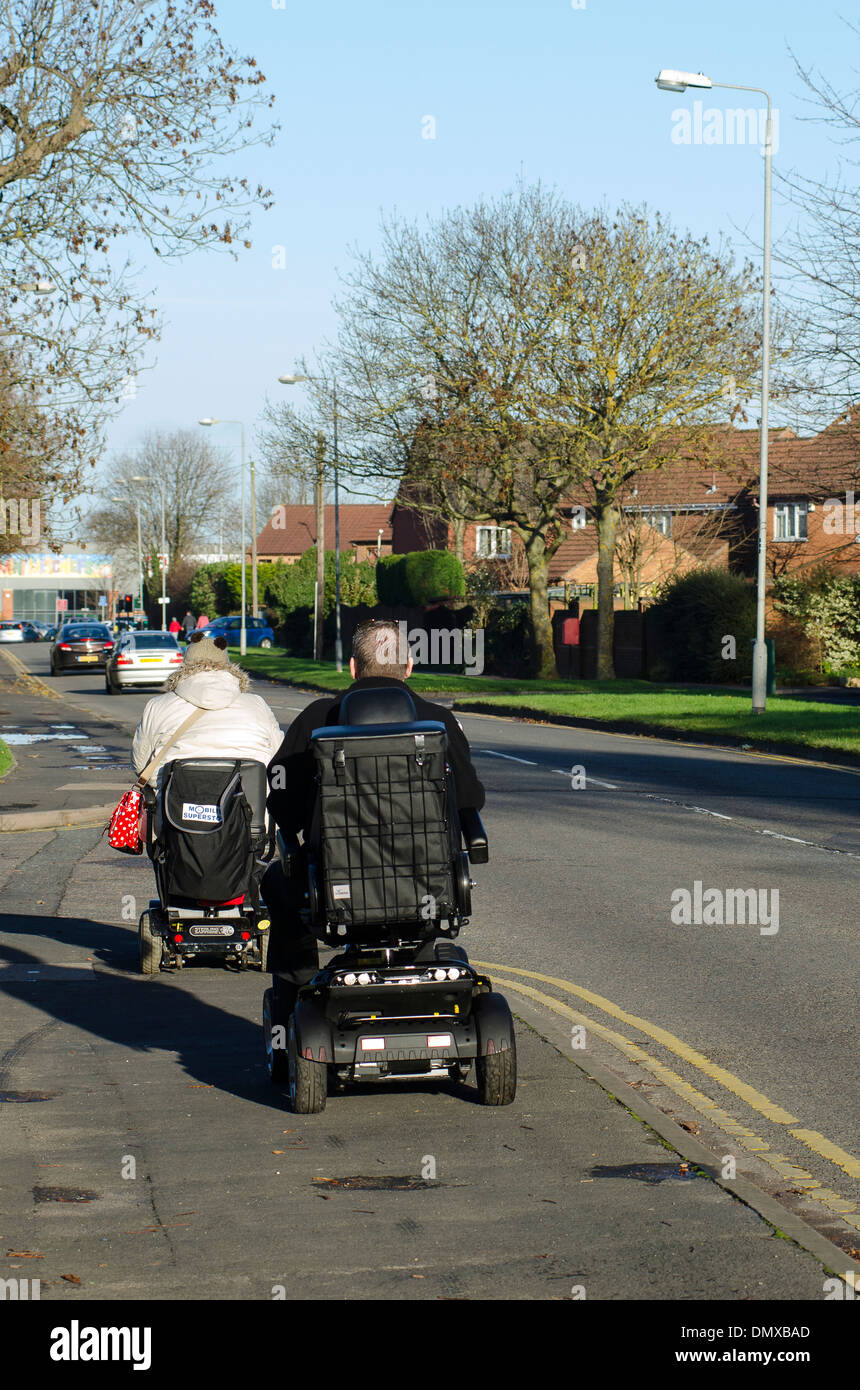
pixel 142 1014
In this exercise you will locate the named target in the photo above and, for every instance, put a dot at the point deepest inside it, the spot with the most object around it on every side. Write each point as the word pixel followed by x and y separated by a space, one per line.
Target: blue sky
pixel 561 94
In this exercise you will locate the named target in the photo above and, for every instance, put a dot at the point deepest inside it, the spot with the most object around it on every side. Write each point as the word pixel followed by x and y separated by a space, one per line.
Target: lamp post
pixel 147 478
pixel 670 80
pixel 293 379
pixel 139 547
pixel 212 420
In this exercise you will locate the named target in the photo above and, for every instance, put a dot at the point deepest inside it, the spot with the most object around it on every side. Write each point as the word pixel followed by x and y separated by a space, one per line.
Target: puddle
pixel 91 748
pixel 644 1172
pixel 65 1194
pixel 376 1183
pixel 62 726
pixel 36 738
pixel 24 1097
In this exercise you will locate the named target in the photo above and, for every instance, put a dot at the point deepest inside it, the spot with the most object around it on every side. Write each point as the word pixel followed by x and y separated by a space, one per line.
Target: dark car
pixel 81 645
pixel 257 633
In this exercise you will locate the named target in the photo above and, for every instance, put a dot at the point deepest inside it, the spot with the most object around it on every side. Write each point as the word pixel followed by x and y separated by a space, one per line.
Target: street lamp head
pixel 292 379
pixel 139 478
pixel 207 420
pixel 672 80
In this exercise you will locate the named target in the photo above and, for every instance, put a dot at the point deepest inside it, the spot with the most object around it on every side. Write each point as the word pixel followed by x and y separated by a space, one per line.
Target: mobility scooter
pixel 387 882
pixel 209 842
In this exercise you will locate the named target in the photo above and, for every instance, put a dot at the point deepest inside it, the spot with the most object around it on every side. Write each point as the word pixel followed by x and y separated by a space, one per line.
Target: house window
pixel 661 521
pixel 493 542
pixel 789 521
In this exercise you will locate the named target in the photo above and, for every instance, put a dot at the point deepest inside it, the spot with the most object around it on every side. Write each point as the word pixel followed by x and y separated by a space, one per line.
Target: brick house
pixel 364 528
pixel 693 513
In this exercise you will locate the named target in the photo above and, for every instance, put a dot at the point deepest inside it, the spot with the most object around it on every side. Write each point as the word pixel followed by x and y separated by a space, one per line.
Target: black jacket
pixel 291 802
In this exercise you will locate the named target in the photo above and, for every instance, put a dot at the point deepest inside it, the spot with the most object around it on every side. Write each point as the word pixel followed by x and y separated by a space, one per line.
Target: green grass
pixel 801 723
pixel 5 758
pixel 321 675
pixel 676 709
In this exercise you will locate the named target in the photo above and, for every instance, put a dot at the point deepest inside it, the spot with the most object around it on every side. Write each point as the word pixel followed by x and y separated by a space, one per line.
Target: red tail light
pixel 108 646
pixel 64 647
pixel 123 661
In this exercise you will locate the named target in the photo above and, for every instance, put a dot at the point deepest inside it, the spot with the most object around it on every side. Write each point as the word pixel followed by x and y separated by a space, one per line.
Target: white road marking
pixel 685 805
pixel 566 772
pixel 510 757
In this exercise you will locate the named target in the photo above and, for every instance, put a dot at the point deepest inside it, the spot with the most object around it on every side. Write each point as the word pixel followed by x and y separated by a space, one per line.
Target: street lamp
pixel 139 547
pixel 671 80
pixel 293 379
pixel 212 420
pixel 147 478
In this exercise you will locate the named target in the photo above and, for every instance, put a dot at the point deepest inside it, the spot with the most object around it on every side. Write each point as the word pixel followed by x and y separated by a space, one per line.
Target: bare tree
pixel 562 351
pixel 115 120
pixel 199 484
pixel 821 253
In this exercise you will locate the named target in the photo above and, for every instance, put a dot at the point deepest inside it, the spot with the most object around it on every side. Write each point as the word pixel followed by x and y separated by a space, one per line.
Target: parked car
pixel 141 658
pixel 37 629
pixel 50 632
pixel 80 644
pixel 18 630
pixel 257 633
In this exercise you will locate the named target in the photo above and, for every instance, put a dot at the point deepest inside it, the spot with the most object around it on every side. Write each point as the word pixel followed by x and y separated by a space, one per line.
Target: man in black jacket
pixel 293 951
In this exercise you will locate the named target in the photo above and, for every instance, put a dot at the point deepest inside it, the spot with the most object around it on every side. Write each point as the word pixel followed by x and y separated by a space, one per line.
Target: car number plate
pixel 93 657
pixel 150 659
pixel 210 931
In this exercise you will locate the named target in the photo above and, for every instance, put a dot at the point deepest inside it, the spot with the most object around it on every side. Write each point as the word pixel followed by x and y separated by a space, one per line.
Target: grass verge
pixel 6 758
pixel 787 725
pixel 810 728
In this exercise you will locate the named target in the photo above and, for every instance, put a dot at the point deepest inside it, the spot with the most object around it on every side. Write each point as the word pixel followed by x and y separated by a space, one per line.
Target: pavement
pixel 606 1179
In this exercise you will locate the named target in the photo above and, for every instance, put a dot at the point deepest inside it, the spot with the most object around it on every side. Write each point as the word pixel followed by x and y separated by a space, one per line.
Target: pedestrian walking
pixel 175 625
pixel 202 621
pixel 188 622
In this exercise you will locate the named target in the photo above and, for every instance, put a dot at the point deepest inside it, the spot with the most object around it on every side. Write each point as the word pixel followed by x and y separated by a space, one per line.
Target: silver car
pixel 13 632
pixel 141 658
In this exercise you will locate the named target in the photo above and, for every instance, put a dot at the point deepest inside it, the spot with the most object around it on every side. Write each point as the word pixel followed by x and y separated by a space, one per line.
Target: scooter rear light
pixel 246 936
pixel 177 936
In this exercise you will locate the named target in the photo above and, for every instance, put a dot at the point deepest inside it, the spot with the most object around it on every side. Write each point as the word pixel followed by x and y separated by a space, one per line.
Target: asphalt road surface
pixel 743 1034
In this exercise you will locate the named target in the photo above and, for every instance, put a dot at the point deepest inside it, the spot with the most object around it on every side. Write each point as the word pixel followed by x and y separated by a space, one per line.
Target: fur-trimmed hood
pixel 199 679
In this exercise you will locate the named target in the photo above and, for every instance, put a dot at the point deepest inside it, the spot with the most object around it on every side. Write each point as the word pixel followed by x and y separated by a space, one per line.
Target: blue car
pixel 257 633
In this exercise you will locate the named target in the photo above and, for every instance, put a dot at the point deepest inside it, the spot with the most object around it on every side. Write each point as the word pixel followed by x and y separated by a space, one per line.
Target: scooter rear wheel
pixel 150 946
pixel 307 1080
pixel 496 1074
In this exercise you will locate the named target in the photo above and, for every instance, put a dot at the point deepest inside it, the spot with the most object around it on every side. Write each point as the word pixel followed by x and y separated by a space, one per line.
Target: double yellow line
pixel 513 978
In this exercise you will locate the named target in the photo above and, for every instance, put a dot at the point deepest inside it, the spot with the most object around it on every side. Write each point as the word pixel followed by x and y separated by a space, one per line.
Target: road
pixel 745 1037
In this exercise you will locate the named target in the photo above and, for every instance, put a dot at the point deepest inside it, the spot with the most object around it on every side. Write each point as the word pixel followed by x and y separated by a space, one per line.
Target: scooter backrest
pixel 383 704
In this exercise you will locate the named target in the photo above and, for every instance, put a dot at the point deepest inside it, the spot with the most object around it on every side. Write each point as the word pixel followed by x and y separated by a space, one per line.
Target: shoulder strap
pixel 174 738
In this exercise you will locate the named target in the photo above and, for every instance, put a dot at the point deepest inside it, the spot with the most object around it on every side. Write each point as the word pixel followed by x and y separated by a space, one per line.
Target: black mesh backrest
pixel 383 704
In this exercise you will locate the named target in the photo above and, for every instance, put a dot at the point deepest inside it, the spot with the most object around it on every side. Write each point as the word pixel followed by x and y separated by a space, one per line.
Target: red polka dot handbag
pixel 127 829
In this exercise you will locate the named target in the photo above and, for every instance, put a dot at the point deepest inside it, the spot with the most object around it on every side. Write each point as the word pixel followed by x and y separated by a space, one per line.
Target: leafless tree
pixel 115 121
pixel 199 481
pixel 517 353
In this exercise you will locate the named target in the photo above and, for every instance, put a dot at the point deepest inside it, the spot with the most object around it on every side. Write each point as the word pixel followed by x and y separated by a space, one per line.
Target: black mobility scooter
pixel 388 883
pixel 209 843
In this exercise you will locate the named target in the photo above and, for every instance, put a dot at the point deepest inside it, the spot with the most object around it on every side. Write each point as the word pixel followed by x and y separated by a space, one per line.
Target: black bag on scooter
pixel 206 846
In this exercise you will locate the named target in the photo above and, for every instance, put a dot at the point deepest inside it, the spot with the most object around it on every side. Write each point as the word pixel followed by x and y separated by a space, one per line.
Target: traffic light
pixel 128 603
